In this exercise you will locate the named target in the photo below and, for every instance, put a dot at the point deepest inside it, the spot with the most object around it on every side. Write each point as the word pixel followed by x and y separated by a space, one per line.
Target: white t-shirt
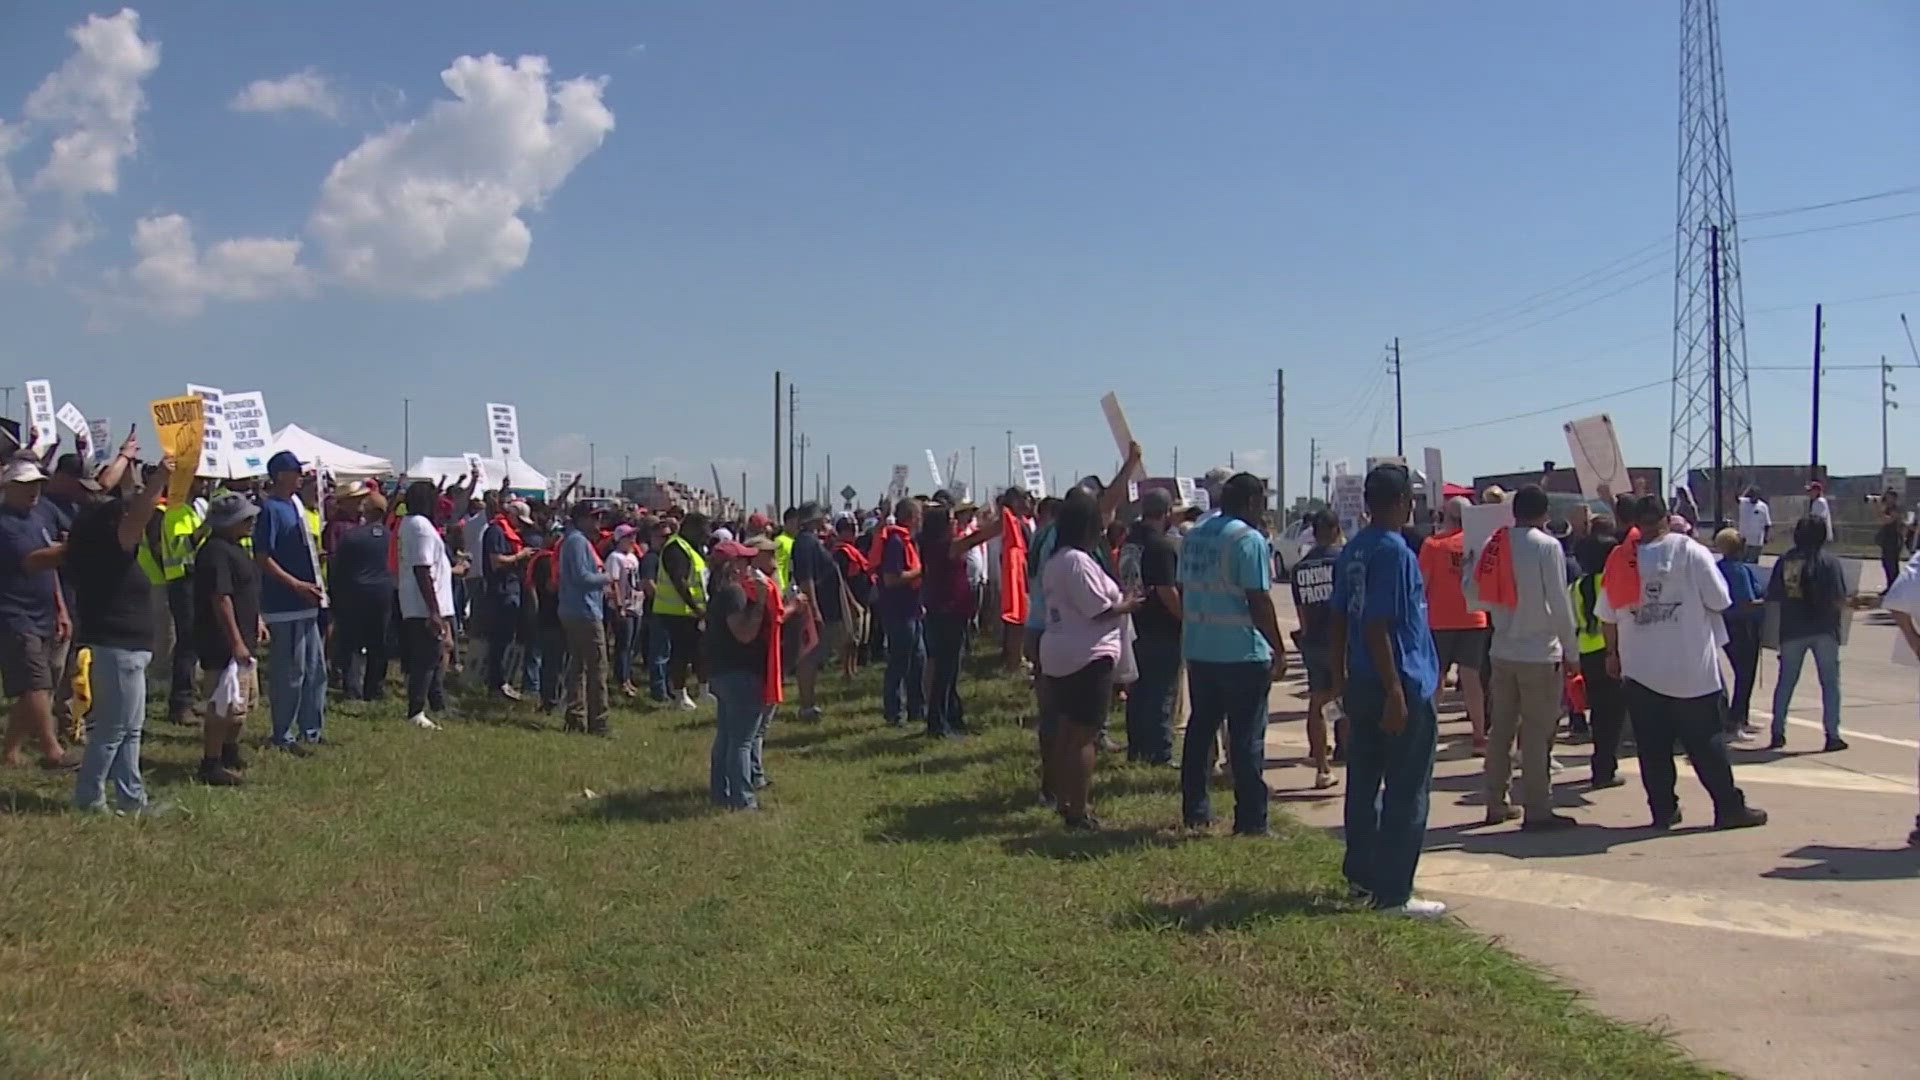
pixel 1755 518
pixel 420 545
pixel 1669 640
pixel 473 530
pixel 1818 508
pixel 624 568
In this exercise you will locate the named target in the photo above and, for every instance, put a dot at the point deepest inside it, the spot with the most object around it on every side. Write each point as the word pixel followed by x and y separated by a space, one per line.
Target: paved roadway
pixel 1791 950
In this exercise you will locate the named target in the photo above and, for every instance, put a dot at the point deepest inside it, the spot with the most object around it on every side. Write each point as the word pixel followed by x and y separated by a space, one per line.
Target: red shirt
pixel 1442 563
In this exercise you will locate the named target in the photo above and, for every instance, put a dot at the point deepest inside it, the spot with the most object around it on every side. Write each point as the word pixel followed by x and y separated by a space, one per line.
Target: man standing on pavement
pixel 1660 603
pixel 426 606
pixel 1150 568
pixel 1230 639
pixel 1817 506
pixel 1756 523
pixel 1521 573
pixel 1313 602
pixel 1386 671
pixel 1459 632
pixel 815 577
pixel 34 620
pixel 583 587
pixel 114 619
pixel 290 598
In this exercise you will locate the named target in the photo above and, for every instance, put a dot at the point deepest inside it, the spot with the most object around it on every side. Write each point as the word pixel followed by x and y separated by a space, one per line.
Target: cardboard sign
pixel 1117 424
pixel 98 433
pixel 503 430
pixel 1032 477
pixel 897 486
pixel 1596 457
pixel 473 465
pixel 933 470
pixel 1185 486
pixel 213 438
pixel 1436 487
pixel 562 480
pixel 180 423
pixel 249 434
pixel 40 414
pixel 1479 521
pixel 1894 478
pixel 1349 501
pixel 73 420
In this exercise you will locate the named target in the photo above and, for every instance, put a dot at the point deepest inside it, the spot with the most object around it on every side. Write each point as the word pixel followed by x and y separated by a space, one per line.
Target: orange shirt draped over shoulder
pixel 1443 564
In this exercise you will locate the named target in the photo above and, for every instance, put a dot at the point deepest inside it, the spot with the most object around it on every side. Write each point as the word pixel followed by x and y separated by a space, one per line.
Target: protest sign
pixel 897 486
pixel 249 434
pixel 1202 500
pixel 1894 478
pixel 40 414
pixel 1032 477
pixel 213 438
pixel 473 464
pixel 180 423
pixel 1349 501
pixel 98 432
pixel 1185 488
pixel 73 420
pixel 1436 487
pixel 503 430
pixel 1596 457
pixel 1479 522
pixel 562 480
pixel 1117 424
pixel 933 469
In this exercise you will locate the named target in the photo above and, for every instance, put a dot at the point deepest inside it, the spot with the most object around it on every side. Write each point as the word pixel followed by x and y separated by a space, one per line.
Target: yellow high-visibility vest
pixel 667 599
pixel 179 540
pixel 783 560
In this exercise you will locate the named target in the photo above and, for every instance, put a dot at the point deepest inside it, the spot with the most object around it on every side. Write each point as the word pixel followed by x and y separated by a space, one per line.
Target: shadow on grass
pixel 1229 911
pixel 805 737
pixel 989 813
pixel 17 801
pixel 951 764
pixel 656 806
pixel 1079 846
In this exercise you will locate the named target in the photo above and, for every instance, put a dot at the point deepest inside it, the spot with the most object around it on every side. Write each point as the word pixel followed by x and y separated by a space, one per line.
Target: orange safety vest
pixel 1493 572
pixel 876 554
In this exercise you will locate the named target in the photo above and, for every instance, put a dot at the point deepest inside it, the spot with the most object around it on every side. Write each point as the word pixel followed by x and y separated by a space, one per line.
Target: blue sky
pixel 947 220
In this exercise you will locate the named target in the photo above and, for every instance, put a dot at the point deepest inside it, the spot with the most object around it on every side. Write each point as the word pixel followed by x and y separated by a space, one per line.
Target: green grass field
pixel 421 904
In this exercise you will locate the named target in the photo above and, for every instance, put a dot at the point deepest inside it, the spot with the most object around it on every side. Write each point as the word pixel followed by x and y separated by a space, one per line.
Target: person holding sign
pixel 290 602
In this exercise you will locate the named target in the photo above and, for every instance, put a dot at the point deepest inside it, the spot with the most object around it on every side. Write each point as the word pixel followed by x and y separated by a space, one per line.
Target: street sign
pixel 847 493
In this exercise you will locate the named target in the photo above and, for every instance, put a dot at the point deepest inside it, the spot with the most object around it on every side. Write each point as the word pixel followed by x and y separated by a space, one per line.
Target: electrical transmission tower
pixel 1712 429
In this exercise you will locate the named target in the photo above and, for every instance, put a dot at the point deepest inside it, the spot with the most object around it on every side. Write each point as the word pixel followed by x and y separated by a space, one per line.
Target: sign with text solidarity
pixel 503 430
pixel 180 423
pixel 40 414
pixel 1032 477
pixel 249 434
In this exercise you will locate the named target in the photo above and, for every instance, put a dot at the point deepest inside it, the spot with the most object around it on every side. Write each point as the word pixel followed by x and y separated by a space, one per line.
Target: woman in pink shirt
pixel 1078 650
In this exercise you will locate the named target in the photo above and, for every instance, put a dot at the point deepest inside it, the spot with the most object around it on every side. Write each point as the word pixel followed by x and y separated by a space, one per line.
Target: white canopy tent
pixel 341 462
pixel 521 477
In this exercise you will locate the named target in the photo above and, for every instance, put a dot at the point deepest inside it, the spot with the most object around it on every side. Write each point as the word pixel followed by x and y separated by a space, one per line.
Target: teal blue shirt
pixel 1221 560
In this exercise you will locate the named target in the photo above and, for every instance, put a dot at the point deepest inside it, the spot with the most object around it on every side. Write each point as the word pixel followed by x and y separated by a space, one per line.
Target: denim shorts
pixel 1318 660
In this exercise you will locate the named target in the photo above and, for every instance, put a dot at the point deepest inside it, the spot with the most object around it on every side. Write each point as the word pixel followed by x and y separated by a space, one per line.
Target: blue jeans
pixel 119 712
pixel 946 638
pixel 756 767
pixel 906 666
pixel 502 624
pixel 1387 781
pixel 1236 695
pixel 1826 662
pixel 297 678
pixel 1150 698
pixel 626 629
pixel 658 648
pixel 736 723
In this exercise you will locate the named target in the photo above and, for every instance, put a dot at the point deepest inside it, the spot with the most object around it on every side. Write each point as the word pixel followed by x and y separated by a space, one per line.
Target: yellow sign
pixel 180 424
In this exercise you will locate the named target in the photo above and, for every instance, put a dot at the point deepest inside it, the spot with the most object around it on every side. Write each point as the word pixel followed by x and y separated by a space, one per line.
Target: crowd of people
pixel 1616 623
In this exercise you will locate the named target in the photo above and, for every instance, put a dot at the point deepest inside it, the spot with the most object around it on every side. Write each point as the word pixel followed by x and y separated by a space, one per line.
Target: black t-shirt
pixel 223 568
pixel 503 583
pixel 1313 594
pixel 812 563
pixel 359 562
pixel 1148 559
pixel 1809 589
pixel 114 598
pixel 724 651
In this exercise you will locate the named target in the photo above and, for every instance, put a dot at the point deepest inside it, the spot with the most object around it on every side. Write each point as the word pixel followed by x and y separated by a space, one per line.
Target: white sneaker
pixel 685 703
pixel 509 693
pixel 1419 909
pixel 420 721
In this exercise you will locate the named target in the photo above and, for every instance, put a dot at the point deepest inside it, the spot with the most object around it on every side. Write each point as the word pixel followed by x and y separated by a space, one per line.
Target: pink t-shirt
pixel 1077 591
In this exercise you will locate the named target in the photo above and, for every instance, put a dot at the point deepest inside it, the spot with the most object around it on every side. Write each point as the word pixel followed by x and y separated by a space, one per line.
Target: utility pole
pixel 1009 457
pixel 1176 461
pixel 1280 447
pixel 744 507
pixel 776 437
pixel 626 468
pixel 973 472
pixel 828 489
pixel 593 464
pixel 1313 464
pixel 1713 352
pixel 406 427
pixel 793 446
pixel 1887 404
pixel 799 471
pixel 1813 458
pixel 1399 411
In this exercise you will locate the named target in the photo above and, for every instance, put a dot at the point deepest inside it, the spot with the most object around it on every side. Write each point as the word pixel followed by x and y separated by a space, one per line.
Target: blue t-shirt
pixel 26 596
pixel 897 602
pixel 812 563
pixel 1221 560
pixel 280 532
pixel 1378 579
pixel 1743 587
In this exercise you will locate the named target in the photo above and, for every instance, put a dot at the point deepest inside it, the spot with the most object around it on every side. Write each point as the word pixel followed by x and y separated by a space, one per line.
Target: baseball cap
pixel 621 532
pixel 757 523
pixel 284 461
pixel 732 549
pixel 519 511
pixel 22 470
pixel 723 535
pixel 74 467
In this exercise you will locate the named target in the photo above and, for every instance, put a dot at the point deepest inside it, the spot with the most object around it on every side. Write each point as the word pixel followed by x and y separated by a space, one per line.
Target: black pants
pixel 553 666
pixel 1743 652
pixel 426 661
pixel 1890 565
pixel 946 639
pixel 1659 720
pixel 360 627
pixel 1606 712
pixel 185 671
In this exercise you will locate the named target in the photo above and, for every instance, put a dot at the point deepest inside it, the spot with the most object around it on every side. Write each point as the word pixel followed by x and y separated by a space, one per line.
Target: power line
pixel 1564 312
pixel 1548 409
pixel 1836 202
pixel 1831 228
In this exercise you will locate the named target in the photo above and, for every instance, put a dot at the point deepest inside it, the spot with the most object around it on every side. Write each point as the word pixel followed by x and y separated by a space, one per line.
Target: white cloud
pixel 432 207
pixel 308 90
pixel 12 204
pixel 174 277
pixel 91 103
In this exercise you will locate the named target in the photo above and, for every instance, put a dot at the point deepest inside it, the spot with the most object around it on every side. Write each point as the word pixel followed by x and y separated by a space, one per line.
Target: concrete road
pixel 1791 950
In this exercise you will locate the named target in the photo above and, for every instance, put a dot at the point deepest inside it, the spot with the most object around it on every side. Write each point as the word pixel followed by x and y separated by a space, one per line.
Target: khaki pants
pixel 1526 701
pixel 586 678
